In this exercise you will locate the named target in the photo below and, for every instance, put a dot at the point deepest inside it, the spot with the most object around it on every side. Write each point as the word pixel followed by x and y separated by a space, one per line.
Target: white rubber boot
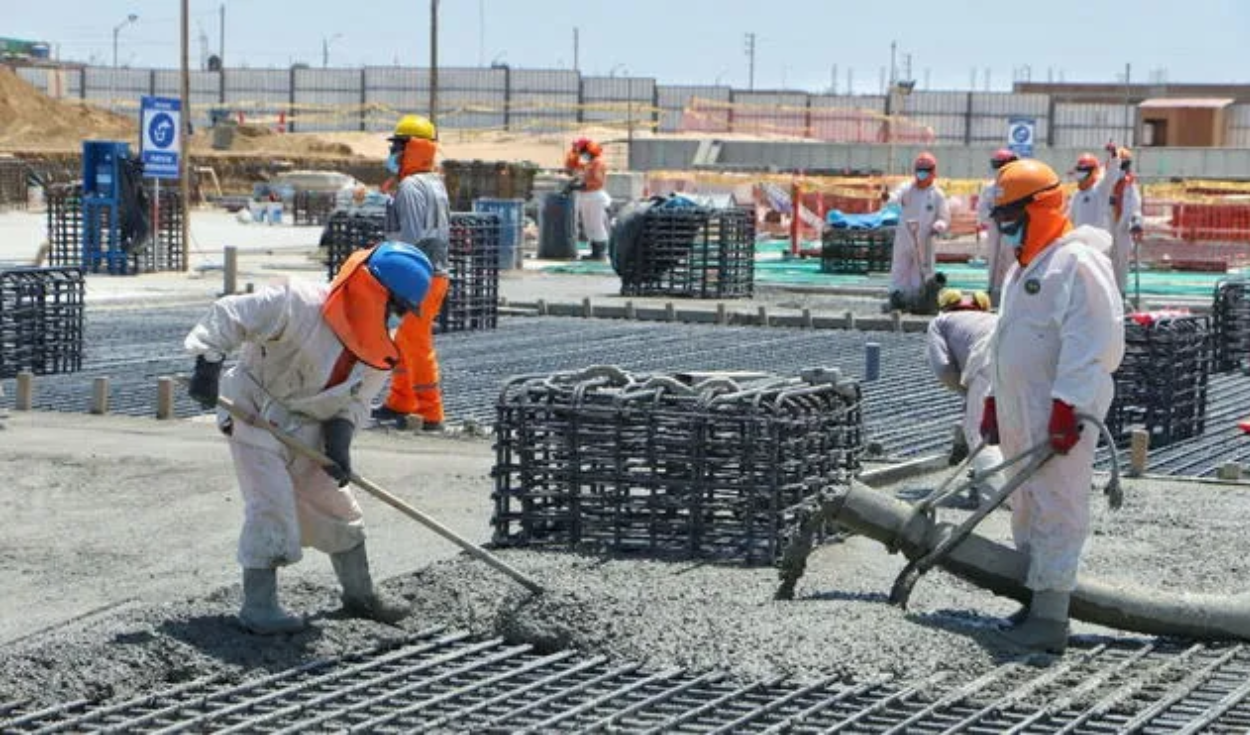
pixel 1045 628
pixel 261 613
pixel 360 600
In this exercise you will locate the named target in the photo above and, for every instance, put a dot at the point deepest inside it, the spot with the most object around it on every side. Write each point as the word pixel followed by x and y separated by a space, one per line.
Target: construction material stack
pixel 687 250
pixel 669 467
pixel 1231 315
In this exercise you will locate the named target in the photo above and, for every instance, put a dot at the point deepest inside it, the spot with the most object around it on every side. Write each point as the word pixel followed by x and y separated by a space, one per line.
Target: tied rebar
pixel 41 320
pixel 1162 382
pixel 718 467
pixel 690 252
pixel 1231 316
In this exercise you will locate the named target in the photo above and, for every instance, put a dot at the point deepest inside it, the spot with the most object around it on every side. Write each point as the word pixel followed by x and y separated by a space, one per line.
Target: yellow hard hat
pixel 949 298
pixel 414 126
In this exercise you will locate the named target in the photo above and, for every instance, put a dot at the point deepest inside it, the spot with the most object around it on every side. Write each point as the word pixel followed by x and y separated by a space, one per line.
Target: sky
pixel 798 43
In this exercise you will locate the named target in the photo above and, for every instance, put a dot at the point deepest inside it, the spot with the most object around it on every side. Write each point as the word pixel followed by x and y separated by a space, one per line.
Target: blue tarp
pixel 887 217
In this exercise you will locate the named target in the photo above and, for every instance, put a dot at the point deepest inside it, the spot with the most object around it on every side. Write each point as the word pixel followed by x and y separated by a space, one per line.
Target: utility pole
pixel 750 40
pixel 576 50
pixel 184 163
pixel 481 32
pixel 433 61
pixel 221 44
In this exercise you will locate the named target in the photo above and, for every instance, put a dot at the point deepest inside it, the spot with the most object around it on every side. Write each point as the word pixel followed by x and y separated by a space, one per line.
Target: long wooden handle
pixel 382 494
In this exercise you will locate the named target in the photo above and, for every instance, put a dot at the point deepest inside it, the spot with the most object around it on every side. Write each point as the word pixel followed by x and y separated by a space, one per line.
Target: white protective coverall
pixel 915 260
pixel 957 345
pixel 1060 335
pixel 1093 205
pixel 1122 227
pixel 592 210
pixel 999 257
pixel 287 354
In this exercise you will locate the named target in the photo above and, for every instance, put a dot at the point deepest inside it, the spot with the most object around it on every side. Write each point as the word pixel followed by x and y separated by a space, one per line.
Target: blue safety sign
pixel 1020 132
pixel 160 122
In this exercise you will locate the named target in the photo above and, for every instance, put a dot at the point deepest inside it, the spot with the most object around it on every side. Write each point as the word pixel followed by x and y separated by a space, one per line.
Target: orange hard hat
pixel 1003 156
pixel 925 161
pixel 1086 161
pixel 1021 183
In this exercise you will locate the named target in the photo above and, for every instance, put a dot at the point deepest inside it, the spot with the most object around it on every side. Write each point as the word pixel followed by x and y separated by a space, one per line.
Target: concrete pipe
pixel 1001 569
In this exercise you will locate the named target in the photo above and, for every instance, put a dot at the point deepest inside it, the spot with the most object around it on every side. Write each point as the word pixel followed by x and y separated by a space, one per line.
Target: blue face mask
pixel 923 175
pixel 392 163
pixel 1012 233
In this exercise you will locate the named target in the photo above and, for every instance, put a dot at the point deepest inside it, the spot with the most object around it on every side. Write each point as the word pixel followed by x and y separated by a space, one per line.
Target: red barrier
pixel 1211 222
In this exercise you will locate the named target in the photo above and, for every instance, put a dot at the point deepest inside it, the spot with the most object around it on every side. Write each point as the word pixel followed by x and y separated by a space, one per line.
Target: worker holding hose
pixel 311 358
pixel 957 345
pixel 1060 336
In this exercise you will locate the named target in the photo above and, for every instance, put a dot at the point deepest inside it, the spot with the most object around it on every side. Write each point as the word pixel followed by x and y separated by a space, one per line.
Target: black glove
pixel 205 382
pixel 338 441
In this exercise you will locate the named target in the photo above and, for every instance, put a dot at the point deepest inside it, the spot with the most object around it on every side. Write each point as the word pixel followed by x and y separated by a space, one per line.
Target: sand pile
pixel 31 119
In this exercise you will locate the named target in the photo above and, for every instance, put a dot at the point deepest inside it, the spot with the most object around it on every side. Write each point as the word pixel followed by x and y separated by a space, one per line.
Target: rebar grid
pixel 605 459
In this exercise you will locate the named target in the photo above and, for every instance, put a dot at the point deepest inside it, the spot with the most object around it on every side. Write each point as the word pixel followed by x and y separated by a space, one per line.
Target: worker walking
pixel 925 214
pixel 418 214
pixel 311 357
pixel 957 345
pixel 1091 204
pixel 1059 337
pixel 1126 215
pixel 585 163
pixel 998 259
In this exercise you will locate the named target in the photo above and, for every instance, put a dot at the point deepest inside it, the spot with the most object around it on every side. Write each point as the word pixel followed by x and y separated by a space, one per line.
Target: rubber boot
pixel 1017 617
pixel 598 251
pixel 1045 628
pixel 261 613
pixel 360 600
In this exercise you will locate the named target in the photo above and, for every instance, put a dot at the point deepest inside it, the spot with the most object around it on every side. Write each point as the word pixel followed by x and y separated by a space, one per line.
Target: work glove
pixel 1136 232
pixel 205 382
pixel 989 422
pixel 939 228
pixel 338 443
pixel 1065 430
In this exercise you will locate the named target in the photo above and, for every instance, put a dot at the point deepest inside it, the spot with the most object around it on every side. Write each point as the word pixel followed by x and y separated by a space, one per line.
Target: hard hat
pixel 1086 161
pixel 581 144
pixel 414 126
pixel 952 299
pixel 925 161
pixel 1002 156
pixel 1020 183
pixel 982 300
pixel 403 270
pixel 949 298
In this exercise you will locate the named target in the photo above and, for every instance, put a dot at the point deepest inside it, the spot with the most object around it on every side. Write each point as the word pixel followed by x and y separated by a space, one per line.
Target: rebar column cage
pixel 692 252
pixel 41 320
pixel 163 251
pixel 1162 382
pixel 312 207
pixel 605 460
pixel 856 251
pixel 1231 315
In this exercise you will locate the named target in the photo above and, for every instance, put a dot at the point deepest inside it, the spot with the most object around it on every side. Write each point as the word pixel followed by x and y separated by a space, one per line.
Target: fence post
pixel 968 122
pixel 1050 120
pixel 507 97
pixel 364 100
pixel 730 116
pixel 807 116
pixel 290 105
pixel 152 82
pixel 655 106
pixel 581 97
pixel 221 86
pixel 82 82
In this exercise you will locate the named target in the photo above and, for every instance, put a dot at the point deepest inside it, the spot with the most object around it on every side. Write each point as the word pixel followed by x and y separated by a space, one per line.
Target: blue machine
pixel 102 205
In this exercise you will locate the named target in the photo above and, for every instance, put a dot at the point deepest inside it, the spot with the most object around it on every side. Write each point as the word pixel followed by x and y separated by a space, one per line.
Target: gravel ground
pixel 1172 536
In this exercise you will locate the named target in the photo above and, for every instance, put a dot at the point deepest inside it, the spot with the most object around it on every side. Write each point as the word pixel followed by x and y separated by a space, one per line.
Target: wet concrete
pixel 117 564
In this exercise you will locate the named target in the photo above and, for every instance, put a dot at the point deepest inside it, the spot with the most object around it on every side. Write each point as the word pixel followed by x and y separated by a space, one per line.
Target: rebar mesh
pixel 13 173
pixel 647 463
pixel 312 207
pixel 41 320
pixel 1161 384
pixel 1231 314
pixel 856 251
pixel 692 252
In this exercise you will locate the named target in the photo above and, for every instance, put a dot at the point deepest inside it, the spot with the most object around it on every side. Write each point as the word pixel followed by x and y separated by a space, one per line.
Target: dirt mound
pixel 29 118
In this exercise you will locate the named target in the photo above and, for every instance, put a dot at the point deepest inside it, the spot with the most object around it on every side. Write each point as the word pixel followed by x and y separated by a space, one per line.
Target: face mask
pixel 392 163
pixel 1012 232
pixel 392 322
pixel 923 175
pixel 1083 174
pixel 585 158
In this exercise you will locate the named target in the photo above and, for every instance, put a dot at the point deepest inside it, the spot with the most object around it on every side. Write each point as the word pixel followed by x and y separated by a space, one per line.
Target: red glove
pixel 1065 432
pixel 989 422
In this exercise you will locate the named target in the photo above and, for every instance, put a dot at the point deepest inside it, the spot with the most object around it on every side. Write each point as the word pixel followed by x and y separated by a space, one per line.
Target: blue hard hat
pixel 403 270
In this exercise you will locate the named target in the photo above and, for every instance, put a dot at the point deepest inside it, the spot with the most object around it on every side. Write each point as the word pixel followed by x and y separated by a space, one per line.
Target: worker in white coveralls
pixel 1060 335
pixel 1091 203
pixel 925 215
pixel 311 358
pixel 957 345
pixel 998 258
pixel 1126 215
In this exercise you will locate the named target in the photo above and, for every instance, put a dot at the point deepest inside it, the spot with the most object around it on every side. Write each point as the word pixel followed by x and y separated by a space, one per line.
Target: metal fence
pixel 543 100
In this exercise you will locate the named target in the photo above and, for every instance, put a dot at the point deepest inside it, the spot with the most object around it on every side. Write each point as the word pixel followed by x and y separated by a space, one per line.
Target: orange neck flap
pixel 355 311
pixel 418 157
pixel 1047 223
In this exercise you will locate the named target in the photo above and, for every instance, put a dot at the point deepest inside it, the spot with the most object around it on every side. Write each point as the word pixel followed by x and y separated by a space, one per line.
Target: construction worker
pixel 998 259
pixel 1060 336
pixel 311 357
pixel 585 163
pixel 1091 204
pixel 957 345
pixel 1125 216
pixel 924 214
pixel 418 214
